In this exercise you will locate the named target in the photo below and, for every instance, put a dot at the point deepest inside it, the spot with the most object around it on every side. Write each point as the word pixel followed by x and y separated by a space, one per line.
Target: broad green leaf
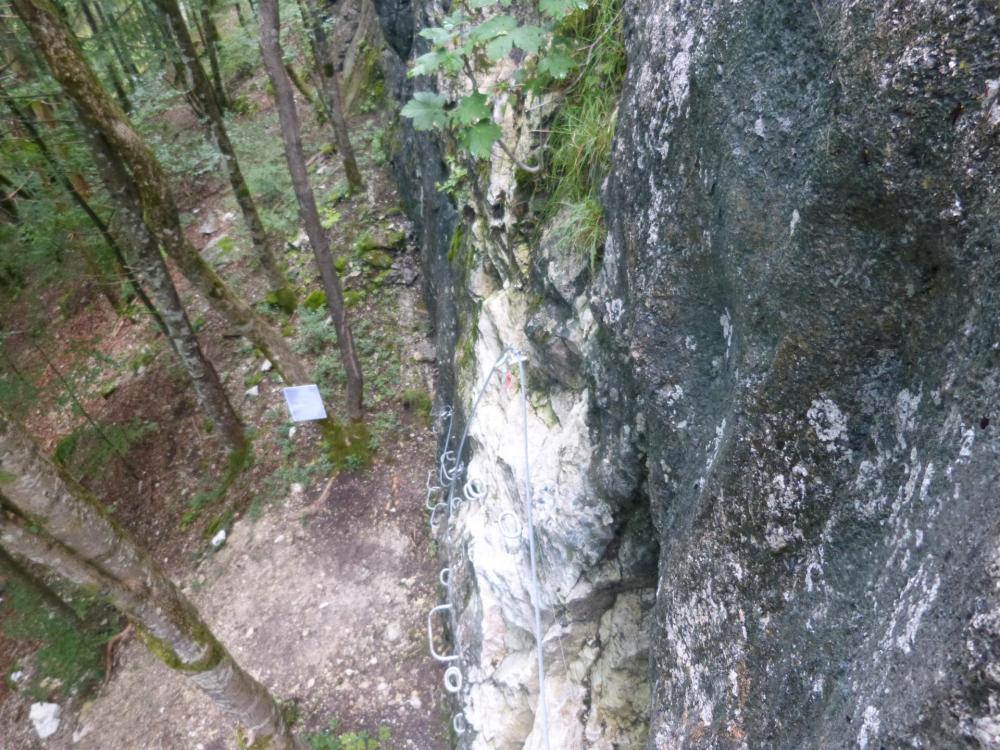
pixel 528 38
pixel 436 34
pixel 479 138
pixel 560 8
pixel 556 63
pixel 491 28
pixel 431 62
pixel 427 64
pixel 481 3
pixel 500 47
pixel 426 109
pixel 456 19
pixel 471 109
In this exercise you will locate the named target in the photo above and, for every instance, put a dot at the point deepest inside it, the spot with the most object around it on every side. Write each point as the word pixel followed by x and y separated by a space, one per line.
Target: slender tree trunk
pixel 239 15
pixel 151 267
pixel 307 94
pixel 73 189
pixel 291 135
pixel 121 91
pixel 216 127
pixel 79 542
pixel 212 39
pixel 8 201
pixel 331 94
pixel 157 207
pixel 124 59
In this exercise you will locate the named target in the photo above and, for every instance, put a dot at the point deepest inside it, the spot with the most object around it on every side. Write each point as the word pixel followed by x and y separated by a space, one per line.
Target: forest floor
pixel 322 587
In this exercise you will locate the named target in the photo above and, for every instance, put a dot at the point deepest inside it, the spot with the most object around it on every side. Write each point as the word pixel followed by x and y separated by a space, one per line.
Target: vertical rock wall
pixel 804 235
pixel 490 288
pixel 778 395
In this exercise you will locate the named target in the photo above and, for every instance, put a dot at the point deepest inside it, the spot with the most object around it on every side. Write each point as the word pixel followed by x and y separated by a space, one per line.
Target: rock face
pixel 764 436
pixel 804 235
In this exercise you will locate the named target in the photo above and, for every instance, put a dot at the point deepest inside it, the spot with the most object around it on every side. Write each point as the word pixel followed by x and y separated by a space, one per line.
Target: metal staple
pixel 450 468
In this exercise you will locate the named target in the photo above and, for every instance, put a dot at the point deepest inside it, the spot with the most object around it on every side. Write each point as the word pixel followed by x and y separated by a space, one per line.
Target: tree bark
pixel 157 207
pixel 291 135
pixel 76 194
pixel 79 541
pixel 303 88
pixel 121 91
pixel 110 29
pixel 211 40
pixel 216 127
pixel 331 94
pixel 150 266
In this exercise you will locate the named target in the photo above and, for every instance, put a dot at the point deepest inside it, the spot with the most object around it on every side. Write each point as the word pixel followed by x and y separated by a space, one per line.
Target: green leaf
pixel 456 19
pixel 491 28
pixel 528 38
pixel 499 48
pixel 471 109
pixel 436 34
pixel 434 61
pixel 479 138
pixel 556 63
pixel 427 64
pixel 481 3
pixel 560 8
pixel 426 109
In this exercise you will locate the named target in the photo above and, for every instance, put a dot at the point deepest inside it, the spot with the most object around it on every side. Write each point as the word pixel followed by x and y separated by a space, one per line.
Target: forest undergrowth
pixel 101 392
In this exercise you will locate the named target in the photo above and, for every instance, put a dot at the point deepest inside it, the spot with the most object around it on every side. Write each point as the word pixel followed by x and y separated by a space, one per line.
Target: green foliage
pixel 283 299
pixel 332 739
pixel 316 334
pixel 88 449
pixel 464 43
pixel 583 126
pixel 581 226
pixel 315 301
pixel 419 401
pixel 70 657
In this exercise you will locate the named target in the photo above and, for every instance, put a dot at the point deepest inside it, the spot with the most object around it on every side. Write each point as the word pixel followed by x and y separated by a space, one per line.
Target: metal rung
pixel 430 635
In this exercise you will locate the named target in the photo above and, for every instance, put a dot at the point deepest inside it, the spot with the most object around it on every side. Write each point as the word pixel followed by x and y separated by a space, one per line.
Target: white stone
pixel 45 718
pixel 266 366
pixel 219 539
pixel 253 392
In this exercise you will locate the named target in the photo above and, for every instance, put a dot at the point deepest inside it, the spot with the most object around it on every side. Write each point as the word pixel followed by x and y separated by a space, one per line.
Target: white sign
pixel 304 403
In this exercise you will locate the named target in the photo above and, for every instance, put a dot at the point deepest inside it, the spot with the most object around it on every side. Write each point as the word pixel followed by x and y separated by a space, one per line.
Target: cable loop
pixel 510 525
pixel 474 490
pixel 453 679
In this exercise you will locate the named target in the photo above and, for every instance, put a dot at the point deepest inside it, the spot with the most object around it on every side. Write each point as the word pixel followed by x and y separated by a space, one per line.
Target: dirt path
pixel 327 610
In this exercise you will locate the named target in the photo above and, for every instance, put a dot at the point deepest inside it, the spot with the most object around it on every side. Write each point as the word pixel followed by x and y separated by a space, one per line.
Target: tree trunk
pixel 216 127
pixel 150 266
pixel 291 135
pixel 77 196
pixel 211 40
pixel 331 94
pixel 303 88
pixel 79 542
pixel 111 30
pixel 157 207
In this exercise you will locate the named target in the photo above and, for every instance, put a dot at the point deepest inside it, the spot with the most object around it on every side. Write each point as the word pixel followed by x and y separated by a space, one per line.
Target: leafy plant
pixel 467 41
pixel 331 739
pixel 70 655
